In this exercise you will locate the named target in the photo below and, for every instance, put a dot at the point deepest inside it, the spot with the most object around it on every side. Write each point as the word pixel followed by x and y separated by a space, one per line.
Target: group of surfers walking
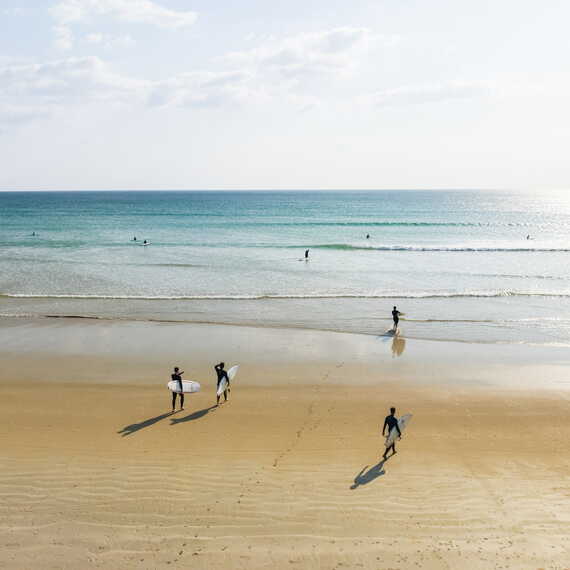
pixel 221 374
pixel 390 421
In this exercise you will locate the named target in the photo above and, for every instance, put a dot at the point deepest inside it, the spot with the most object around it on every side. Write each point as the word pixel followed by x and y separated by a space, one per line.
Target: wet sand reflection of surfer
pixel 398 346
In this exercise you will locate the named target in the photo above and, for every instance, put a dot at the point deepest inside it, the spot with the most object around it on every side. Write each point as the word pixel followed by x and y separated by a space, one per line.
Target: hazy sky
pixel 200 94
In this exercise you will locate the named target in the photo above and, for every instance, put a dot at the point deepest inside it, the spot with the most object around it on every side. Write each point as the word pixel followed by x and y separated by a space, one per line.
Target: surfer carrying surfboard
pixel 222 376
pixel 391 422
pixel 177 377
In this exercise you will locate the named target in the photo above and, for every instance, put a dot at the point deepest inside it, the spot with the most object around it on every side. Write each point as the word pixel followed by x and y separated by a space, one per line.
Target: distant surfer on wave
pixel 221 373
pixel 177 377
pixel 396 317
pixel 391 422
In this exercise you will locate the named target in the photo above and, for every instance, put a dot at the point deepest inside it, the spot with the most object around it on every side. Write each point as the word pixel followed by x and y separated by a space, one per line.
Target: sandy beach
pixel 96 472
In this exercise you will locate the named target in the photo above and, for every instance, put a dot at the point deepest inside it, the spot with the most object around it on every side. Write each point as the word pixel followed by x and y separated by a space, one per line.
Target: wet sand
pixel 96 472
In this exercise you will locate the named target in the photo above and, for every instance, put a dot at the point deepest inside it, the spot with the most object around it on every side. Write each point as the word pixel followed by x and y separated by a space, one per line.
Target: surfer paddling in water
pixel 391 422
pixel 177 377
pixel 222 375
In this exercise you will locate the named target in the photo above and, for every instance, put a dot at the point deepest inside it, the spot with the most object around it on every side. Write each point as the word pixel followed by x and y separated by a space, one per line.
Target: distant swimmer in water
pixel 396 317
pixel 177 377
pixel 221 373
pixel 367 236
pixel 135 238
pixel 33 233
pixel 391 422
pixel 306 254
pixel 145 242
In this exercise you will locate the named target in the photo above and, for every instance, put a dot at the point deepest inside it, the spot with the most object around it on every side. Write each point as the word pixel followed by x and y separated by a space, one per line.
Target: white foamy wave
pixel 324 295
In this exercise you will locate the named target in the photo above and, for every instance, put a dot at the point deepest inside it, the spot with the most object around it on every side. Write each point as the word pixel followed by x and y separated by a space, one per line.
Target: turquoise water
pixel 457 263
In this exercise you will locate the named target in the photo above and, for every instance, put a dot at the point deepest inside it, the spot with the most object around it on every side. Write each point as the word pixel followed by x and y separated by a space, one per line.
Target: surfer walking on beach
pixel 391 422
pixel 222 375
pixel 396 317
pixel 177 377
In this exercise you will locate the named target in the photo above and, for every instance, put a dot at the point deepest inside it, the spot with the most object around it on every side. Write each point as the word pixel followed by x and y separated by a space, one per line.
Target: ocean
pixel 457 263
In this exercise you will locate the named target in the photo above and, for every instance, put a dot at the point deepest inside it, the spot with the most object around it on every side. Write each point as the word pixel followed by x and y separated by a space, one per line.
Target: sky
pixel 260 94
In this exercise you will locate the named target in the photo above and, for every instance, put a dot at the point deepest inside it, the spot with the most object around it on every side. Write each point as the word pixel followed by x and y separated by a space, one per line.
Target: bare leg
pixel 392 447
pixel 181 401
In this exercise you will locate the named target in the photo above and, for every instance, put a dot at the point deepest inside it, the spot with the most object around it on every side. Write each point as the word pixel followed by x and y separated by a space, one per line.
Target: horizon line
pixel 460 189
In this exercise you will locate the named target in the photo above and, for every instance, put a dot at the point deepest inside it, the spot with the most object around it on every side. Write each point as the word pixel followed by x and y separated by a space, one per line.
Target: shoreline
pixel 501 320
pixel 148 349
pixel 126 319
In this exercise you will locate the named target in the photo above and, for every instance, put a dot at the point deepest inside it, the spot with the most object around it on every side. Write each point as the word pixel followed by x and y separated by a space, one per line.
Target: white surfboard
pixel 402 423
pixel 224 383
pixel 188 386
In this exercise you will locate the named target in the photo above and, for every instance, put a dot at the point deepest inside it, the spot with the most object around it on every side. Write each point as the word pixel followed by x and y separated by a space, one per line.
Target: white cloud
pixel 431 93
pixel 60 80
pixel 109 41
pixel 202 89
pixel 271 72
pixel 11 115
pixel 36 90
pixel 63 37
pixel 66 13
pixel 329 51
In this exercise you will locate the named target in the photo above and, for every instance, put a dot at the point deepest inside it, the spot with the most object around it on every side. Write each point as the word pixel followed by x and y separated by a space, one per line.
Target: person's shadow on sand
pixel 193 416
pixel 128 430
pixel 365 477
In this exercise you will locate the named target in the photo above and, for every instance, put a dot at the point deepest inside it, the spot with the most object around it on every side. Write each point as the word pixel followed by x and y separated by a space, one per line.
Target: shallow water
pixel 457 263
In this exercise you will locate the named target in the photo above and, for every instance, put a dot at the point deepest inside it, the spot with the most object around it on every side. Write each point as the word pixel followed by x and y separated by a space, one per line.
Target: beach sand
pixel 95 471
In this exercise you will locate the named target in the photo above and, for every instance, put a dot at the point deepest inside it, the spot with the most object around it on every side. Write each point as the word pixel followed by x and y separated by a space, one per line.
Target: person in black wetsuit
pixel 177 377
pixel 219 368
pixel 396 317
pixel 389 423
pixel 306 255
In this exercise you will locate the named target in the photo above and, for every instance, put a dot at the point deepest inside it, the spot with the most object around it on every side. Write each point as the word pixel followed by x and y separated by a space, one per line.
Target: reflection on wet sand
pixel 398 346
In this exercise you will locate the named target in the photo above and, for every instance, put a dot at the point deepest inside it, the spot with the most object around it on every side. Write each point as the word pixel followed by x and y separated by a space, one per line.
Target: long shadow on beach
pixel 128 430
pixel 365 477
pixel 193 416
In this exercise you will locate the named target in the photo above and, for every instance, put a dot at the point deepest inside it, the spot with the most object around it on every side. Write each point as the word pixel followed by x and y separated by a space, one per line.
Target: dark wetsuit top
pixel 391 422
pixel 221 374
pixel 396 316
pixel 178 378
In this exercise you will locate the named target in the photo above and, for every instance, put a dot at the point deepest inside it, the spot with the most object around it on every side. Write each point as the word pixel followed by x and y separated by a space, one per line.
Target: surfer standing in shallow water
pixel 219 368
pixel 177 377
pixel 391 422
pixel 396 318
